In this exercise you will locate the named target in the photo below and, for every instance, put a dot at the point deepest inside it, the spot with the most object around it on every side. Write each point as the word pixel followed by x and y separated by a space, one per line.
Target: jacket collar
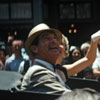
pixel 44 64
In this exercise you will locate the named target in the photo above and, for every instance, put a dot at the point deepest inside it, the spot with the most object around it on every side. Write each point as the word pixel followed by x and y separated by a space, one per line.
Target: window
pixel 75 10
pixel 4 11
pixel 83 10
pixel 45 11
pixel 67 11
pixel 21 11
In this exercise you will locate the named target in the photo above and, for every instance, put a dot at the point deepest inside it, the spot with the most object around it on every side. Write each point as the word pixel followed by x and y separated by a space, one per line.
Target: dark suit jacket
pixel 40 78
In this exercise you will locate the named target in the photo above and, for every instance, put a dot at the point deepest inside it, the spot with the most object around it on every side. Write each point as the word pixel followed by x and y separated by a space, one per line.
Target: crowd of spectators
pixel 13 57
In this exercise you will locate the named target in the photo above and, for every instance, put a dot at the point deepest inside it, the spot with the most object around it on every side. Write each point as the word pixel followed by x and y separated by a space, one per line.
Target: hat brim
pixel 33 36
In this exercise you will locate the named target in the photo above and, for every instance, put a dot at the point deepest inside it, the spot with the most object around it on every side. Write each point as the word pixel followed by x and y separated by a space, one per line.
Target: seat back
pixel 83 83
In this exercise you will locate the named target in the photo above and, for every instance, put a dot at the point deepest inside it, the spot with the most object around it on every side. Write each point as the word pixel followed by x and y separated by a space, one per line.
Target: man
pixel 44 43
pixel 13 62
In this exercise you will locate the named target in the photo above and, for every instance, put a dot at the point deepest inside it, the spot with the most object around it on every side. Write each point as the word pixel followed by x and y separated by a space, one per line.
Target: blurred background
pixel 77 19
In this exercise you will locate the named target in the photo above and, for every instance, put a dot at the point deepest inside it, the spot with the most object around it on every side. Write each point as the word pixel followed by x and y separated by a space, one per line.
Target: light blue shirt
pixel 12 63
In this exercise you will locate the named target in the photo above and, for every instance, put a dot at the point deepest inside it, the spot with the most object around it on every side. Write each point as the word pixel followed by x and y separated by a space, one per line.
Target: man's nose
pixel 54 40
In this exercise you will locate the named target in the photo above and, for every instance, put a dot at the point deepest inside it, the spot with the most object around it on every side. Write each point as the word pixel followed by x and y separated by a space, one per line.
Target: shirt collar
pixel 46 64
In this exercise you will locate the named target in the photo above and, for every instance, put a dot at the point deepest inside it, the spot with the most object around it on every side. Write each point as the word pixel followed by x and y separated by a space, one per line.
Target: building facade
pixel 77 19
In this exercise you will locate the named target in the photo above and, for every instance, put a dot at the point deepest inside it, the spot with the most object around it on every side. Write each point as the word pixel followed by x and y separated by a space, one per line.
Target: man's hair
pixel 85 45
pixel 66 46
pixel 36 41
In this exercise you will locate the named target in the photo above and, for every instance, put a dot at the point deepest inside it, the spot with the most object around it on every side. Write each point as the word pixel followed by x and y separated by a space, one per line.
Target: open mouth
pixel 54 50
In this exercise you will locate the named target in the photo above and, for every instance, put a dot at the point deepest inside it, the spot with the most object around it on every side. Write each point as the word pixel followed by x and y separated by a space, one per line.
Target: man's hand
pixel 62 51
pixel 61 55
pixel 95 36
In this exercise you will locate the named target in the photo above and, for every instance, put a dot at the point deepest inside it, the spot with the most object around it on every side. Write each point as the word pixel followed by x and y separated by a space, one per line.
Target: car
pixel 10 83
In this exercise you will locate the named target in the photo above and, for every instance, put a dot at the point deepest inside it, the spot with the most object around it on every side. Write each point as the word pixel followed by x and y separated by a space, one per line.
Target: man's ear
pixel 34 49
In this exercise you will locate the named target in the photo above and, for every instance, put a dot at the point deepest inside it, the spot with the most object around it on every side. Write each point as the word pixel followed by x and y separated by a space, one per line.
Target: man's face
pixel 16 46
pixel 48 47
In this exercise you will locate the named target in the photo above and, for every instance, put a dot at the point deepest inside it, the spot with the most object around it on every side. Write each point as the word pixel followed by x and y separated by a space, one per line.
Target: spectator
pixel 13 62
pixel 2 59
pixel 84 47
pixel 10 38
pixel 74 55
pixel 96 64
pixel 96 68
pixel 98 48
pixel 45 44
pixel 24 66
pixel 9 45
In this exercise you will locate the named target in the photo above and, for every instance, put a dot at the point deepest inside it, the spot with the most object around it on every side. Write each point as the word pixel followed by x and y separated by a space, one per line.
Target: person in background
pixel 24 66
pixel 23 51
pixel 96 68
pixel 10 38
pixel 84 47
pixel 2 59
pixel 96 64
pixel 98 49
pixel 9 46
pixel 13 62
pixel 74 55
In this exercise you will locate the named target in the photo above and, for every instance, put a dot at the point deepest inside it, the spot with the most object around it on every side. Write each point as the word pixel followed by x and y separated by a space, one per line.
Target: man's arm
pixel 81 64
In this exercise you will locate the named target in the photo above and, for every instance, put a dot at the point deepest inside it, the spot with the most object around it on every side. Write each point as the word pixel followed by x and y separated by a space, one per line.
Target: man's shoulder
pixel 37 67
pixel 34 69
pixel 10 59
pixel 25 57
